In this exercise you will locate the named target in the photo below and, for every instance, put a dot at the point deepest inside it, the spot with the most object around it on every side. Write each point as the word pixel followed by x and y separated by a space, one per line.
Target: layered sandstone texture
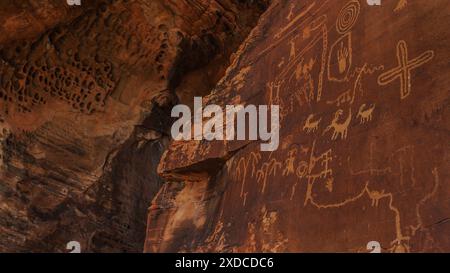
pixel 85 99
pixel 364 138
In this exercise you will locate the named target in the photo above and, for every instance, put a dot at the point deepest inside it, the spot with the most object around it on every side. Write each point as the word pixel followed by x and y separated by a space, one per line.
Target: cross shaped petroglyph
pixel 404 68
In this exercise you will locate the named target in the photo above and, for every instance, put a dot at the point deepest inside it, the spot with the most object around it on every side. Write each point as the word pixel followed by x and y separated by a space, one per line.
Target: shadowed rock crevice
pixel 85 100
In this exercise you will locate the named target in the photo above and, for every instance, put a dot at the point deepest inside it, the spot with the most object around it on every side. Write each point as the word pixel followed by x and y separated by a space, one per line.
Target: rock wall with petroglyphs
pixel 85 99
pixel 364 152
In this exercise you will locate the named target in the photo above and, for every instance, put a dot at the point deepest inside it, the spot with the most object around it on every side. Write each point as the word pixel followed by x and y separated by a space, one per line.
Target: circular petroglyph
pixel 347 16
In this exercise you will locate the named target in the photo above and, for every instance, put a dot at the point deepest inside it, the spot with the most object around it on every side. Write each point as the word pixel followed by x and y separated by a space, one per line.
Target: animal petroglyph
pixel 339 129
pixel 365 115
pixel 375 196
pixel 311 125
pixel 404 68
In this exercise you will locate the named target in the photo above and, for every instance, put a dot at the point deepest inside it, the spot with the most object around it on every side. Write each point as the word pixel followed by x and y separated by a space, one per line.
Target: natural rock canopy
pixel 86 154
pixel 85 100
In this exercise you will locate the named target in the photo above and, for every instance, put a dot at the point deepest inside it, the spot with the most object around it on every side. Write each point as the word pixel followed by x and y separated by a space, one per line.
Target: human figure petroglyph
pixel 340 129
pixel 293 50
pixel 281 63
pixel 310 125
pixel 289 162
pixel 306 90
pixel 304 69
pixel 306 32
pixel 325 160
pixel 274 92
pixel 364 114
pixel 314 169
pixel 291 12
pixel 285 31
pixel 329 184
pixel 295 67
pixel 325 172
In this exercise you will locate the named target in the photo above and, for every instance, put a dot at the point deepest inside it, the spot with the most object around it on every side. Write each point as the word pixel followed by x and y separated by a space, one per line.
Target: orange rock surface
pixel 85 99
pixel 86 155
pixel 364 142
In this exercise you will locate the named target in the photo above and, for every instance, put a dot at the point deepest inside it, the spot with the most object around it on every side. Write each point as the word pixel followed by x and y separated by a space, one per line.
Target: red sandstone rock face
pixel 364 153
pixel 85 99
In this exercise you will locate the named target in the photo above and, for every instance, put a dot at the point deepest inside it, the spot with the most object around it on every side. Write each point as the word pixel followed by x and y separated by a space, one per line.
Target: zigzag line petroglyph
pixel 242 169
pixel 267 169
pixel 427 197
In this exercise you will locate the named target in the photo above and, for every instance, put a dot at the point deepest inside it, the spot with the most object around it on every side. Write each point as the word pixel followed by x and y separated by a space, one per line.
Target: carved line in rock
pixel 401 5
pixel 348 16
pixel 318 168
pixel 404 68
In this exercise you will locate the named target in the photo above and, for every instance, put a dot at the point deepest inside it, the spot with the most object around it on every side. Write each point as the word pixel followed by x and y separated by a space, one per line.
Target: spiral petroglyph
pixel 347 16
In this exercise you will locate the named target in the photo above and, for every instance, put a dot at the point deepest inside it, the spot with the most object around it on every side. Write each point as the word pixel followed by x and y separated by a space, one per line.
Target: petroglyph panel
pixel 85 99
pixel 364 151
